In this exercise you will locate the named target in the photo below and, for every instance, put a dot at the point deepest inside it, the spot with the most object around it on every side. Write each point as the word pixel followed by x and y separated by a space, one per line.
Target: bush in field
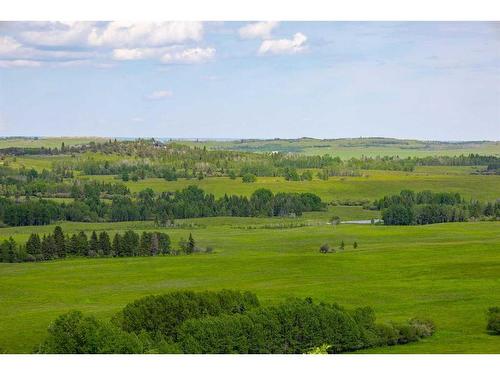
pixel 74 333
pixel 249 178
pixel 161 315
pixel 325 248
pixel 493 325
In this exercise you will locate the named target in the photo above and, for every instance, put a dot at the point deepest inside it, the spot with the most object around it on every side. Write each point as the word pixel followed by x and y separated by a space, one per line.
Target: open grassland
pixel 47 142
pixel 447 272
pixel 374 185
pixel 354 148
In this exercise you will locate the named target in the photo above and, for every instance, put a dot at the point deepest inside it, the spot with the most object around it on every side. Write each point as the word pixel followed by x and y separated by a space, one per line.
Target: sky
pixel 418 80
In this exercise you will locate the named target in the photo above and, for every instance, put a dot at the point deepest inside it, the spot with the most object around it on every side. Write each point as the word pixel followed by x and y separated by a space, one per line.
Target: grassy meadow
pixel 373 185
pixel 447 272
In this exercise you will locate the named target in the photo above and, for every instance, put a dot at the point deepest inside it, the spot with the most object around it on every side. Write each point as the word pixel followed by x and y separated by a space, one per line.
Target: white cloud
pixel 152 34
pixel 284 46
pixel 257 30
pixel 137 119
pixel 161 94
pixel 19 64
pixel 189 56
pixel 55 34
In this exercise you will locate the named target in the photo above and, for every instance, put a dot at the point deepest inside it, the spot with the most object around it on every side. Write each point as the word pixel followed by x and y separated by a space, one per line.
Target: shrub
pixel 74 333
pixel 493 325
pixel 161 315
pixel 292 327
pixel 325 248
pixel 249 178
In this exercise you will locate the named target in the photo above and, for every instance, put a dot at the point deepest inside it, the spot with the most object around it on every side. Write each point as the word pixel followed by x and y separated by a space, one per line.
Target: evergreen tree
pixel 117 245
pixel 355 245
pixel 145 244
pixel 49 250
pixel 83 244
pixel 130 243
pixel 8 249
pixel 342 245
pixel 104 243
pixel 34 245
pixel 93 245
pixel 60 242
pixel 191 244
pixel 164 243
pixel 73 245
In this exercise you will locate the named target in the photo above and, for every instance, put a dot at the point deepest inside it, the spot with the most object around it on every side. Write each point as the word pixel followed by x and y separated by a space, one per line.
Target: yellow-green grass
pixel 447 272
pixel 374 185
pixel 47 141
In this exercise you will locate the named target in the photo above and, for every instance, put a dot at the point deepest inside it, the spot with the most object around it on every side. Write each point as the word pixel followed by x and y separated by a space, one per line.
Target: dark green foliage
pixel 227 322
pixel 74 333
pixel 290 328
pixel 8 251
pixel 355 245
pixel 426 207
pixel 34 245
pixel 59 242
pixel 325 248
pixel 162 315
pixel 93 244
pixel 493 325
pixel 249 178
pixel 104 243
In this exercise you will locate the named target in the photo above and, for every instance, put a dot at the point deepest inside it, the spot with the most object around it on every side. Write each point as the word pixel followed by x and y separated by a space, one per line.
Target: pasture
pixel 447 272
pixel 373 185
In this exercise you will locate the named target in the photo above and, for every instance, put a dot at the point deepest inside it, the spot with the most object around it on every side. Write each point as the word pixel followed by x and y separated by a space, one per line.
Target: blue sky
pixel 425 80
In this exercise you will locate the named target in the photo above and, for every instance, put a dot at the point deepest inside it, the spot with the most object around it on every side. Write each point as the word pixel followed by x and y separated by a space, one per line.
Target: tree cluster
pixel 227 322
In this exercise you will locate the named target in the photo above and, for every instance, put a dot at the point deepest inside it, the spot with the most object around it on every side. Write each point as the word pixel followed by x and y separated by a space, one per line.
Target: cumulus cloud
pixel 284 46
pixel 94 43
pixel 161 94
pixel 127 34
pixel 257 30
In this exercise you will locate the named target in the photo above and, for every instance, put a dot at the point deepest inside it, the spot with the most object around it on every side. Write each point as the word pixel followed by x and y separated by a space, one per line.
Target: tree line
pixel 227 322
pixel 427 207
pixel 164 208
pixel 57 245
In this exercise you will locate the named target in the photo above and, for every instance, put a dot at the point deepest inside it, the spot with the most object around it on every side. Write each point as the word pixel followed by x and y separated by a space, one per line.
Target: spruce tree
pixel 117 245
pixel 49 250
pixel 154 244
pixel 191 244
pixel 104 243
pixel 59 242
pixel 145 244
pixel 93 244
pixel 342 245
pixel 34 245
pixel 83 244
pixel 73 244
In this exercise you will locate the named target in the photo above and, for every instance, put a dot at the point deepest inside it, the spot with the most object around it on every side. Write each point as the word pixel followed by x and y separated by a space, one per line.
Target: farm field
pixel 446 272
pixel 374 185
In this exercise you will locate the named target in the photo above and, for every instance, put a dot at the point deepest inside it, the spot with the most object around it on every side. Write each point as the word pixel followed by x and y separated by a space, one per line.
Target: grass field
pixel 47 141
pixel 354 147
pixel 447 272
pixel 374 185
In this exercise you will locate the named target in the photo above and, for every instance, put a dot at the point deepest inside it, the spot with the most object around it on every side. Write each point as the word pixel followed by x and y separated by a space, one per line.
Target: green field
pixel 47 141
pixel 447 272
pixel 354 147
pixel 374 185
